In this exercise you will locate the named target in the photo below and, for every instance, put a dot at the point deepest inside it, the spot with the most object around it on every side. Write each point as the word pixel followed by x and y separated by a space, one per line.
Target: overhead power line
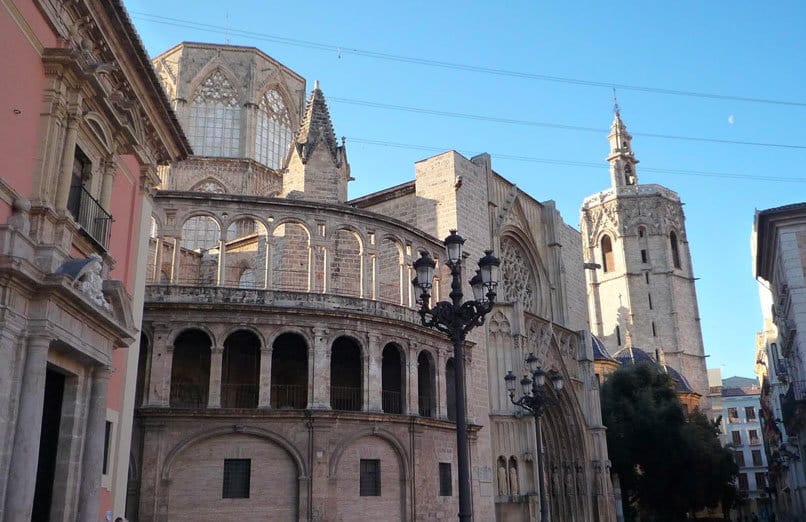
pixel 511 121
pixel 342 50
pixel 586 164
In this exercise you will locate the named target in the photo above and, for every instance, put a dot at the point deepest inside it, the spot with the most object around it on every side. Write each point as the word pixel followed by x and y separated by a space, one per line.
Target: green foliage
pixel 670 463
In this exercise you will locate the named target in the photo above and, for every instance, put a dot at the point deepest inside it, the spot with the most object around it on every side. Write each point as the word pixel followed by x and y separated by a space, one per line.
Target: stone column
pixel 214 390
pixel 108 169
pixel 372 383
pixel 442 392
pixel 319 361
pixel 25 455
pixel 221 270
pixel 66 171
pixel 156 274
pixel 159 387
pixel 413 384
pixel 176 261
pixel 92 459
pixel 264 395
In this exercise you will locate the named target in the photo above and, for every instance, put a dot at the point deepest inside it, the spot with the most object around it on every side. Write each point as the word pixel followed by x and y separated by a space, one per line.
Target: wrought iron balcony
pixel 289 396
pixel 391 402
pixel 793 407
pixel 236 395
pixel 188 395
pixel 86 210
pixel 345 398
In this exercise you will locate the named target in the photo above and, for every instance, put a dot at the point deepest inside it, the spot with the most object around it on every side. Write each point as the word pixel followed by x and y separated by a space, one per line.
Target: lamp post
pixel 456 319
pixel 534 399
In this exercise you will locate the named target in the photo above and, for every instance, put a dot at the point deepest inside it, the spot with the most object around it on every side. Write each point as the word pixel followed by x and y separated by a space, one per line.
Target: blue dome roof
pixel 600 353
pixel 630 356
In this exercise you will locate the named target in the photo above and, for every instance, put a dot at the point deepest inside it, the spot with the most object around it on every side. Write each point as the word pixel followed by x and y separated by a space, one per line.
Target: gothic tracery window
pixel 215 118
pixel 273 130
pixel 209 185
pixel 518 279
pixel 200 233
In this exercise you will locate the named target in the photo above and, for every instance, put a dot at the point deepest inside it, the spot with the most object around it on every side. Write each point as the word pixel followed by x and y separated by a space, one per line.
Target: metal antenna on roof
pixel 226 29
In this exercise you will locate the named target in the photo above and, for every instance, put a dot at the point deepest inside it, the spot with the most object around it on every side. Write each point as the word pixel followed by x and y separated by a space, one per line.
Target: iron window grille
pixel 370 480
pixel 237 478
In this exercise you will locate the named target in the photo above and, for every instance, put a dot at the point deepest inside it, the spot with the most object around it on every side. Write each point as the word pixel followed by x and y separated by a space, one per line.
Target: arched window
pixel 215 118
pixel 200 233
pixel 273 130
pixel 392 375
pixel 425 384
pixel 628 179
pixel 289 372
pixel 675 249
pixel 345 375
pixel 190 370
pixel 608 262
pixel 240 370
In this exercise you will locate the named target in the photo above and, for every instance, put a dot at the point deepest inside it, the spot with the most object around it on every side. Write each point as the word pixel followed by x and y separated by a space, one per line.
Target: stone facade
pixel 89 126
pixel 283 331
pixel 779 262
pixel 644 287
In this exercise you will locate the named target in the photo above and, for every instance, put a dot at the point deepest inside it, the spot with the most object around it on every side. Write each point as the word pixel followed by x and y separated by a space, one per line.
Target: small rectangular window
pixel 618 335
pixel 753 436
pixel 757 457
pixel 739 458
pixel 736 437
pixel 646 275
pixel 654 332
pixel 643 256
pixel 733 415
pixel 370 480
pixel 750 413
pixel 761 480
pixel 743 486
pixel 445 480
pixel 107 444
pixel 649 296
pixel 237 478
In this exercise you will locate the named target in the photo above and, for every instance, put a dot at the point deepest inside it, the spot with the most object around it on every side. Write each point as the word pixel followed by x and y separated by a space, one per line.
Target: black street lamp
pixel 535 399
pixel 456 319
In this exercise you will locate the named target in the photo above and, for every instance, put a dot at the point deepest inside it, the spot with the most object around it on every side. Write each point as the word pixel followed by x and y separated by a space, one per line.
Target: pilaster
pixel 214 389
pixel 25 455
pixel 159 392
pixel 264 395
pixel 93 456
pixel 319 361
pixel 372 383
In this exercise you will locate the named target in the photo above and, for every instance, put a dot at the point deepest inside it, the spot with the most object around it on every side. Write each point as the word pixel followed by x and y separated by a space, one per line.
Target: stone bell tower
pixel 645 286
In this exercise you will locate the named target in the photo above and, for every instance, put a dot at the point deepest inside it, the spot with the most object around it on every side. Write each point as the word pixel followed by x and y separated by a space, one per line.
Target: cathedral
pixel 284 371
pixel 642 297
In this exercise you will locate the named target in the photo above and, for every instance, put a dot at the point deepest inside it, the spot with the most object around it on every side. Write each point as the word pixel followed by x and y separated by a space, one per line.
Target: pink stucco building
pixel 83 127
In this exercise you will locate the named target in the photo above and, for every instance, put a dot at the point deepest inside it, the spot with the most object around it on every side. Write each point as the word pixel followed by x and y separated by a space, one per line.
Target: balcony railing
pixel 345 398
pixel 237 395
pixel 391 402
pixel 289 396
pixel 188 395
pixel 426 407
pixel 90 215
pixel 793 406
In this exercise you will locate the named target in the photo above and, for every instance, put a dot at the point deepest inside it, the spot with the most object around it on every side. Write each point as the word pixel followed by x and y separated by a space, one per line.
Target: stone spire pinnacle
pixel 622 159
pixel 317 129
pixel 317 169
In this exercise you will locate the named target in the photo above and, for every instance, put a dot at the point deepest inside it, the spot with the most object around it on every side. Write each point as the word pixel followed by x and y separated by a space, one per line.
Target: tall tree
pixel 670 463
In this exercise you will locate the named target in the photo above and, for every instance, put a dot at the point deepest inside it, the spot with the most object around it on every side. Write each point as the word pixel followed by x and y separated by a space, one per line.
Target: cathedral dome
pixel 632 356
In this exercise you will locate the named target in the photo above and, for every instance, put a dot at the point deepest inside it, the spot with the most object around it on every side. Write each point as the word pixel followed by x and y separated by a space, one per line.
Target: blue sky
pixel 738 49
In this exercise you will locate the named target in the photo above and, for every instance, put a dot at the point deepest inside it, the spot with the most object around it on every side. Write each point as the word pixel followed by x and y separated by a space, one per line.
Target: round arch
pixel 261 433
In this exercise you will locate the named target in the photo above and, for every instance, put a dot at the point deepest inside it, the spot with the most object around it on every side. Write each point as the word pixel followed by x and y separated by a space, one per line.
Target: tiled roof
pixel 630 356
pixel 600 353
